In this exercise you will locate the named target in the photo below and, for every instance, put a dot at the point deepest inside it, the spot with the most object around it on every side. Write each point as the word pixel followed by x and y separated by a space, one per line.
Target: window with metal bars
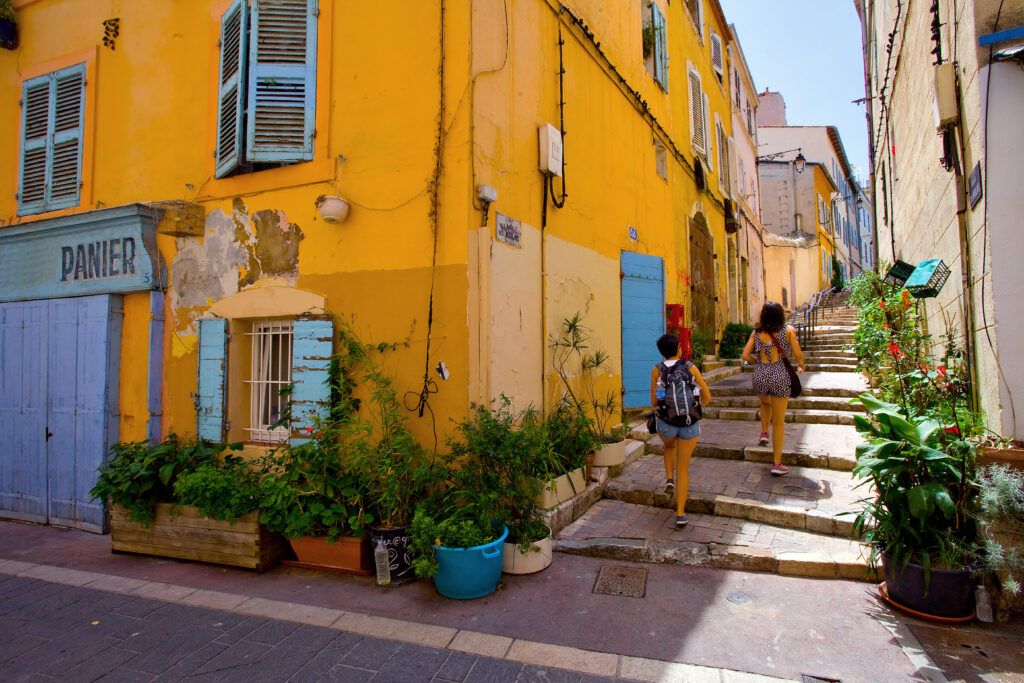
pixel 270 375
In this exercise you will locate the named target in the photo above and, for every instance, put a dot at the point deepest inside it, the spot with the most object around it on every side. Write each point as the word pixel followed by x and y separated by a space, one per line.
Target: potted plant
pixel 570 446
pixel 191 500
pixel 8 27
pixel 332 209
pixel 577 366
pixel 487 494
pixel 1000 547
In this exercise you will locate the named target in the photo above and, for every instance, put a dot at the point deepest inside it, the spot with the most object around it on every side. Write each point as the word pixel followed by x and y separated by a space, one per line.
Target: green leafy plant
pixel 577 366
pixel 647 39
pixel 427 533
pixel 6 10
pixel 701 342
pixel 570 441
pixel 1000 548
pixel 734 338
pixel 138 475
pixel 837 273
pixel 222 491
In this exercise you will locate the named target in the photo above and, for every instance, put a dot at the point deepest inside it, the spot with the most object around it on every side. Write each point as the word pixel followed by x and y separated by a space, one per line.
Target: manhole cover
pixel 630 582
pixel 973 656
pixel 738 598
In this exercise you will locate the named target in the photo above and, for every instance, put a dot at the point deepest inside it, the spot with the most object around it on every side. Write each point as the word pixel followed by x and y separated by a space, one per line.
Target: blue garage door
pixel 643 321
pixel 59 362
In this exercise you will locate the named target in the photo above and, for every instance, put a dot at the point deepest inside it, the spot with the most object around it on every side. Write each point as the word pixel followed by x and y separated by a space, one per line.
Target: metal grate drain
pixel 630 582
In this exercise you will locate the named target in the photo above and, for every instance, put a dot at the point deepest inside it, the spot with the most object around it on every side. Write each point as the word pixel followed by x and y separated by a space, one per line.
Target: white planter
pixel 561 489
pixel 532 561
pixel 611 454
pixel 333 209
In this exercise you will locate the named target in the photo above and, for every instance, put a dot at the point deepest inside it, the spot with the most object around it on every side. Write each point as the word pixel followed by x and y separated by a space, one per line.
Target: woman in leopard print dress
pixel 771 379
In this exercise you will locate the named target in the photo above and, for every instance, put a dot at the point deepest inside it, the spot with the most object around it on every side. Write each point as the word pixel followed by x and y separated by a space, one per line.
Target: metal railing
pixel 805 317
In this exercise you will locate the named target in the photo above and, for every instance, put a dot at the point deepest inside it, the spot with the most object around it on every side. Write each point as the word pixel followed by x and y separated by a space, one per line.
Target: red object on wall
pixel 674 315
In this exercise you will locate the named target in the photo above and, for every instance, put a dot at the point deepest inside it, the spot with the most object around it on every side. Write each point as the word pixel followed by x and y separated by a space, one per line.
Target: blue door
pixel 62 406
pixel 643 321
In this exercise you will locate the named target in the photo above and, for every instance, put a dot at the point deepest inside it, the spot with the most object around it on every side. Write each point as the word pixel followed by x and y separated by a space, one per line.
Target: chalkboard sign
pixel 974 184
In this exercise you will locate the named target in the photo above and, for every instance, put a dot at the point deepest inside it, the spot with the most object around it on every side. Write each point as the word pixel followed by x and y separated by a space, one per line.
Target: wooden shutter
pixel 312 346
pixel 735 176
pixel 52 126
pixel 35 136
pixel 716 53
pixel 696 113
pixel 234 34
pixel 660 47
pixel 706 106
pixel 719 140
pixel 282 81
pixel 212 371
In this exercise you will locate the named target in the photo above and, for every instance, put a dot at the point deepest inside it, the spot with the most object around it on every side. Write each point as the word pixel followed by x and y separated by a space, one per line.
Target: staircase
pixel 740 516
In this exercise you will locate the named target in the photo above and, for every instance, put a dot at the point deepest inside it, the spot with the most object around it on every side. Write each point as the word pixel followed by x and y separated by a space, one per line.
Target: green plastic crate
pixel 927 279
pixel 898 273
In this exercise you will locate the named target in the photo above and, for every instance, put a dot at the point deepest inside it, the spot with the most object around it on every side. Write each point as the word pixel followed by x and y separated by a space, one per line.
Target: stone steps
pixel 837 403
pixel 811 499
pixel 802 416
pixel 836 384
pixel 830 357
pixel 804 444
pixel 831 367
pixel 626 531
pixel 724 372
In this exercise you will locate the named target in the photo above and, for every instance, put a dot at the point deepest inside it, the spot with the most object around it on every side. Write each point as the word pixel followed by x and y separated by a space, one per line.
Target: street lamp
pixel 799 162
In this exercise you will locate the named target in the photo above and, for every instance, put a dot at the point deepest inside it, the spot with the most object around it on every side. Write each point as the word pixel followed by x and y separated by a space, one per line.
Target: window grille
pixel 271 373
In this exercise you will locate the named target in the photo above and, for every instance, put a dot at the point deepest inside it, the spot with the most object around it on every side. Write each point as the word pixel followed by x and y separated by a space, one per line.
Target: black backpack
pixel 681 406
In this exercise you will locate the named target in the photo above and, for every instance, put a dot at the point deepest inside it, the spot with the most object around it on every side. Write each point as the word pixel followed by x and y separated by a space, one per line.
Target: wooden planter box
pixel 557 491
pixel 184 533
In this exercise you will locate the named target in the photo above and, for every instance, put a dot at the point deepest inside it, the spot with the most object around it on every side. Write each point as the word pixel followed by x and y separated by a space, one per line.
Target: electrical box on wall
pixel 946 111
pixel 550 150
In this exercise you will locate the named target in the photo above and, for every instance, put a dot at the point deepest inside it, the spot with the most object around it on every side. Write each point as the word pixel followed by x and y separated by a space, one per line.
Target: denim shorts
pixel 686 432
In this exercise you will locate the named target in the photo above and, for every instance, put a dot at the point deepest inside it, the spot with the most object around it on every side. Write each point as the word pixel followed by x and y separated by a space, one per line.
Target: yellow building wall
pixel 823 189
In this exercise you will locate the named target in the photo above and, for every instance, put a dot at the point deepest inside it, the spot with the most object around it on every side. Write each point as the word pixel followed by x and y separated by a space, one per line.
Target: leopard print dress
pixel 772 379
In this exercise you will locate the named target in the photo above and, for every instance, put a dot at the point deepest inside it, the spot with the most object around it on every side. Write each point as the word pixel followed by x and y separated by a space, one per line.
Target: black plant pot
pixel 950 593
pixel 396 540
pixel 8 34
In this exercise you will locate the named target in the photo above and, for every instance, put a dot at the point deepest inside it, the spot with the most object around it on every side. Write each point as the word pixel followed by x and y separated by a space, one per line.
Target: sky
pixel 810 51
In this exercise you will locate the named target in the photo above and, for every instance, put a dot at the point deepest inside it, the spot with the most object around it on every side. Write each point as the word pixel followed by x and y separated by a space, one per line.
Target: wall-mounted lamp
pixel 800 162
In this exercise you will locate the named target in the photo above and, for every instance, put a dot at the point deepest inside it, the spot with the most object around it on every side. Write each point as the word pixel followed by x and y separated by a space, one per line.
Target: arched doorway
pixel 702 275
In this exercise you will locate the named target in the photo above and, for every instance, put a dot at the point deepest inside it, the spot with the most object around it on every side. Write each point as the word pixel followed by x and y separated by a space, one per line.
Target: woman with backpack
pixel 770 352
pixel 678 395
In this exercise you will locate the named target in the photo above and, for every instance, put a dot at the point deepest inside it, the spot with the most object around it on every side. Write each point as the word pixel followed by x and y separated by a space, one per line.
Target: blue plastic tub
pixel 467 573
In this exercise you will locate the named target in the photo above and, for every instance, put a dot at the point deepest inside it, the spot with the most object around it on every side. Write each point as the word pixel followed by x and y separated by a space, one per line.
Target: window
pixel 750 120
pixel 660 160
pixel 271 373
pixel 716 56
pixel 660 47
pixel 697 137
pixel 736 74
pixel 696 10
pixel 53 108
pixel 707 131
pixel 267 85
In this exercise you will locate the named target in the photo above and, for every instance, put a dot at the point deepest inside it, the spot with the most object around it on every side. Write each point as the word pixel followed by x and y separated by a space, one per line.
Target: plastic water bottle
pixel 659 389
pixel 380 559
pixel 983 604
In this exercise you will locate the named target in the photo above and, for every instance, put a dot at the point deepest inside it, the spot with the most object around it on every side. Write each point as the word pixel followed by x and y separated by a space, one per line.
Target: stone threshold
pixel 428 635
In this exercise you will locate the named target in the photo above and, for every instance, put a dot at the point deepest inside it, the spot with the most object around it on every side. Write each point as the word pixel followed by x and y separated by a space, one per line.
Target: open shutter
pixel 696 113
pixel 716 53
pixel 707 131
pixel 282 81
pixel 312 346
pixel 35 137
pixel 660 47
pixel 231 87
pixel 719 139
pixel 700 19
pixel 66 164
pixel 212 357
pixel 735 176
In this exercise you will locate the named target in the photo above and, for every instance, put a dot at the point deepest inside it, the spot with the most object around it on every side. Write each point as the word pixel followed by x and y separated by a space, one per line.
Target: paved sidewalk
pixel 692 623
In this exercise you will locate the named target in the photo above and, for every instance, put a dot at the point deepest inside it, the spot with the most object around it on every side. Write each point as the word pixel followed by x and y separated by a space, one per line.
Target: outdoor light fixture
pixel 800 163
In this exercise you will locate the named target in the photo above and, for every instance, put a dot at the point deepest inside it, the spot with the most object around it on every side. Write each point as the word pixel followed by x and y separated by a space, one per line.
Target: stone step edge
pixel 823 392
pixel 698 502
pixel 720 556
pixel 793 416
pixel 752 401
pixel 819 460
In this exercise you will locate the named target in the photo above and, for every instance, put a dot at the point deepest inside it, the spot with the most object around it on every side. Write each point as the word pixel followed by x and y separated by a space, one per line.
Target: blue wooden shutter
pixel 312 346
pixel 36 104
pixel 660 47
pixel 66 160
pixel 282 81
pixel 212 370
pixel 231 87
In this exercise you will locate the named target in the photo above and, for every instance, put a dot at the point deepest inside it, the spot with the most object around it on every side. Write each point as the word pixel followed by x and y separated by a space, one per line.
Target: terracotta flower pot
pixel 1014 457
pixel 348 555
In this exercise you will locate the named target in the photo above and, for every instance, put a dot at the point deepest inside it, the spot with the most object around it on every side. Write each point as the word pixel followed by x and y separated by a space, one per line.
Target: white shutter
pixel 697 136
pixel 707 131
pixel 716 53
pixel 720 152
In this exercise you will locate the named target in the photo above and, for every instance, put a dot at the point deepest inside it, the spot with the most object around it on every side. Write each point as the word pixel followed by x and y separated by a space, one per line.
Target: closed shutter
pixel 231 88
pixel 282 81
pixel 696 113
pixel 210 399
pixel 735 175
pixel 660 47
pixel 35 136
pixel 716 53
pixel 706 106
pixel 52 127
pixel 312 346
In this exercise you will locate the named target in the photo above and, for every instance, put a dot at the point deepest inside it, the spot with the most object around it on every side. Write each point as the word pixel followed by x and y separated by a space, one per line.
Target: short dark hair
pixel 668 345
pixel 772 318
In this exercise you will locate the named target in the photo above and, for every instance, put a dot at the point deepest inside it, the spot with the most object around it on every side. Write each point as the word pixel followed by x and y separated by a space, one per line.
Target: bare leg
pixel 683 453
pixel 778 427
pixel 670 456
pixel 766 412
